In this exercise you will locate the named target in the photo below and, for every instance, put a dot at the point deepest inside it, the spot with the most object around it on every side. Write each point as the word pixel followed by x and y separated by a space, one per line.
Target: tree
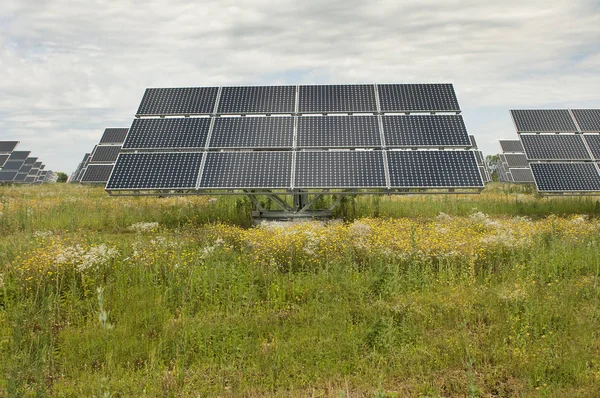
pixel 62 177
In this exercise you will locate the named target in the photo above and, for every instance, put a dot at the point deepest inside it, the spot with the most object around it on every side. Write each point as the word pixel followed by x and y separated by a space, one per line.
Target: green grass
pixel 184 319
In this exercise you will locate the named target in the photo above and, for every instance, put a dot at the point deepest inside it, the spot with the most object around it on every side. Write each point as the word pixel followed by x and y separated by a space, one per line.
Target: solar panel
pixel 338 131
pixel 19 155
pixel 484 174
pixel 479 157
pixel 20 177
pixel 257 99
pixel 26 168
pixel 8 176
pixel 593 142
pixel 159 170
pixel 247 170
pixel 554 147
pixel 12 164
pixel 566 177
pixel 473 141
pixel 340 169
pixel 587 119
pixel 433 169
pixel 105 153
pixel 8 146
pixel 167 133
pixel 543 120
pixel 417 98
pixel 337 98
pixel 37 165
pixel 521 175
pixel 3 158
pixel 114 136
pixel 516 160
pixel 97 173
pixel 253 132
pixel 512 146
pixel 425 131
pixel 30 161
pixel 178 101
pixel 30 179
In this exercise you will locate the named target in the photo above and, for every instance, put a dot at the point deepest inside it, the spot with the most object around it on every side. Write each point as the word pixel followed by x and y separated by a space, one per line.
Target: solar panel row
pixel 399 131
pixel 556 120
pixel 299 99
pixel 96 167
pixel 313 169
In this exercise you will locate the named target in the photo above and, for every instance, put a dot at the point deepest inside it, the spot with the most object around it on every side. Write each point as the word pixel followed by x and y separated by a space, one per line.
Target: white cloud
pixel 71 68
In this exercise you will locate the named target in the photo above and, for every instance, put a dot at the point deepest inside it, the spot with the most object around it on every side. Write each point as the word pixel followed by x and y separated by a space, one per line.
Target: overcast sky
pixel 68 69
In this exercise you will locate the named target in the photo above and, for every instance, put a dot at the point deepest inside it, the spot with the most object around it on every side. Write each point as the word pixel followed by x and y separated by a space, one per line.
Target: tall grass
pixel 150 297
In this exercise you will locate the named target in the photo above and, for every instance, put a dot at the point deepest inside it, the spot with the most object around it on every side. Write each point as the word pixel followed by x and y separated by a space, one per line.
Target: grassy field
pixel 479 295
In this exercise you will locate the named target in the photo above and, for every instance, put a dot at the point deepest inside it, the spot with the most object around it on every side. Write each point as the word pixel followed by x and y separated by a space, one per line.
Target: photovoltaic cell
pixel 512 146
pixel 516 160
pixel 114 136
pixel 8 146
pixel 425 131
pixel 178 101
pixel 97 173
pixel 168 133
pixel 433 169
pixel 3 159
pixel 30 179
pixel 587 119
pixel 8 176
pixel 38 165
pixel 543 120
pixel 30 161
pixel 339 169
pixel 521 175
pixel 338 131
pixel 253 132
pixel 105 153
pixel 247 170
pixel 554 147
pixel 337 98
pixel 178 170
pixel 593 142
pixel 566 177
pixel 417 98
pixel 257 99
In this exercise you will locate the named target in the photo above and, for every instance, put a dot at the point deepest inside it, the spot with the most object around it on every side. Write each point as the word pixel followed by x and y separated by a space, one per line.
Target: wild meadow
pixel 485 295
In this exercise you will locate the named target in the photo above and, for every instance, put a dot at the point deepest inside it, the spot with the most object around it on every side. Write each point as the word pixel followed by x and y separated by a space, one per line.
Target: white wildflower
pixel 96 256
pixel 42 234
pixel 143 227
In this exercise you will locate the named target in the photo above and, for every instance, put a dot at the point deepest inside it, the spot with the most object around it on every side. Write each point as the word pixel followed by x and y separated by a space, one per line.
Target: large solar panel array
pixel 562 147
pixel 18 167
pixel 96 167
pixel 364 136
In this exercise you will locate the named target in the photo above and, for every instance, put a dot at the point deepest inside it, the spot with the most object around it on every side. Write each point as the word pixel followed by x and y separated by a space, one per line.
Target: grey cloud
pixel 70 69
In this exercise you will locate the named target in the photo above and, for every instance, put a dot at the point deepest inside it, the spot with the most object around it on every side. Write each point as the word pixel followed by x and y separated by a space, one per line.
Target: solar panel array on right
pixel 566 161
